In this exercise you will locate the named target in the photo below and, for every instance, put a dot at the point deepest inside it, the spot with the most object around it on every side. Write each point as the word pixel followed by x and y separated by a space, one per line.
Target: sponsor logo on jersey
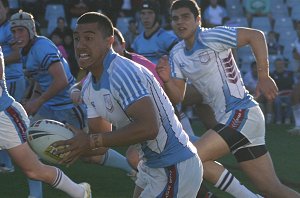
pixel 108 103
pixel 204 57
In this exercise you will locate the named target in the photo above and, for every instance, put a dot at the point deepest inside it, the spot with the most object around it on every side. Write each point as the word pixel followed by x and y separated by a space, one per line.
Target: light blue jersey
pixel 156 45
pixel 211 60
pixel 124 82
pixel 41 55
pixel 14 72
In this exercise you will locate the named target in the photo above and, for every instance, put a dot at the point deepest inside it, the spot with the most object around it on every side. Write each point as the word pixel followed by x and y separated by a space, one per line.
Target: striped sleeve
pixel 128 84
pixel 219 38
pixel 46 53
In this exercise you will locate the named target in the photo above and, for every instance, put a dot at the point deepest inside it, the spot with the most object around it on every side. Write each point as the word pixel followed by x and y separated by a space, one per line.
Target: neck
pixel 150 31
pixel 98 68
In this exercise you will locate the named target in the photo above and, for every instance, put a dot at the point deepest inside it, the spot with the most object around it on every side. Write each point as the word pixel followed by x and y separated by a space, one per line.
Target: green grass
pixel 113 183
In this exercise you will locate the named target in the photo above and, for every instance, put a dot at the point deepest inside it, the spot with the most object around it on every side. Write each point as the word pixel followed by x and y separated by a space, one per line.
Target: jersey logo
pixel 204 57
pixel 181 65
pixel 108 103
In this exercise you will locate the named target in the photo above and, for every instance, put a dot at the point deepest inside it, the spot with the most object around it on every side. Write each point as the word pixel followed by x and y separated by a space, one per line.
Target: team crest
pixel 204 57
pixel 108 103
pixel 181 65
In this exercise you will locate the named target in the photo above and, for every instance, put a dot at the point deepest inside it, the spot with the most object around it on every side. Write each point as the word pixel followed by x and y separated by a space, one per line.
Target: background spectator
pixel 214 14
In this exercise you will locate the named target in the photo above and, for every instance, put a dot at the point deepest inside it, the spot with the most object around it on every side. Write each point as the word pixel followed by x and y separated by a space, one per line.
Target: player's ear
pixel 110 40
pixel 198 19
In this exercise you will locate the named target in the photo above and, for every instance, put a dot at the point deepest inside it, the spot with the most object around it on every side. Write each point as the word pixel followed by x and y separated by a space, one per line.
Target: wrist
pixel 95 141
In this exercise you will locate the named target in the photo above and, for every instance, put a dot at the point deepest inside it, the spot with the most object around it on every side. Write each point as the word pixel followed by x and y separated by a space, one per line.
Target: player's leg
pixel 179 180
pixel 262 174
pixel 24 157
pixel 17 89
pixel 295 99
pixel 114 159
pixel 212 146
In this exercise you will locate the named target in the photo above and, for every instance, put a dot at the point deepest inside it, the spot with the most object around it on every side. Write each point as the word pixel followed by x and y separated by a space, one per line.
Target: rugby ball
pixel 42 133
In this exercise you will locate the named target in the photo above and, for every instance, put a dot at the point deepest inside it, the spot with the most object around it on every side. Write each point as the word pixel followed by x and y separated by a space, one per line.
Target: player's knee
pixel 31 174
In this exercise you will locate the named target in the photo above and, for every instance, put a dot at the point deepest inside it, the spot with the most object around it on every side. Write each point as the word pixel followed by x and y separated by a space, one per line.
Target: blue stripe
pixel 47 57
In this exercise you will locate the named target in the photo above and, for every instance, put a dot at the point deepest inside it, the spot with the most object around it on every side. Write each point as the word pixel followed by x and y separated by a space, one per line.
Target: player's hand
pixel 266 86
pixel 32 106
pixel 75 95
pixel 163 69
pixel 73 148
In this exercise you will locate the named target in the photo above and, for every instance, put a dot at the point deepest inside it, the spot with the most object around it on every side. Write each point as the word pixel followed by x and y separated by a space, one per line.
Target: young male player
pixel 204 57
pixel 13 124
pixel 122 92
pixel 16 85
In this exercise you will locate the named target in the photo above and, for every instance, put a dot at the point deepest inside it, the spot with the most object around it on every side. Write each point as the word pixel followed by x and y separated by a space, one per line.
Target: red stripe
pixel 169 193
pixel 237 119
pixel 21 127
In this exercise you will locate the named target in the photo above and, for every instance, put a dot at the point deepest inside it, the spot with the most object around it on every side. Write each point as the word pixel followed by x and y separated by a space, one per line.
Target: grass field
pixel 113 183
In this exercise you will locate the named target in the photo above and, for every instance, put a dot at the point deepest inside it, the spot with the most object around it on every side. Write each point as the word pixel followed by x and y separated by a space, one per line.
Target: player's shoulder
pixel 207 33
pixel 178 48
pixel 42 42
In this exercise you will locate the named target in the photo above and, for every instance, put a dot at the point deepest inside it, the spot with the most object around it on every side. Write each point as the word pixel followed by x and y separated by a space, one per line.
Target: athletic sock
pixel 228 183
pixel 114 159
pixel 64 183
pixel 296 113
pixel 35 188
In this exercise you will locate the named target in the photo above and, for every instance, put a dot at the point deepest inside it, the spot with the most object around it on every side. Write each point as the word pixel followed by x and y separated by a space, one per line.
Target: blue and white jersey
pixel 37 61
pixel 124 82
pixel 12 71
pixel 156 45
pixel 210 66
pixel 5 99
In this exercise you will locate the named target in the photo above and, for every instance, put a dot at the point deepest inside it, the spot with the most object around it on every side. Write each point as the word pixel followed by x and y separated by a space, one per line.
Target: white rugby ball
pixel 42 133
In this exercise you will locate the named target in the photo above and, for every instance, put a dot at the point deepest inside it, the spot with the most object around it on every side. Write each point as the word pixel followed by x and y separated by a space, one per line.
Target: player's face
pixel 21 36
pixel 147 18
pixel 90 46
pixel 184 23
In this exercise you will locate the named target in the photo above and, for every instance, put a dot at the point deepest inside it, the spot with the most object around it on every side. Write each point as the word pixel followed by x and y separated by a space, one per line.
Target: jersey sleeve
pixel 128 84
pixel 175 66
pixel 219 38
pixel 46 53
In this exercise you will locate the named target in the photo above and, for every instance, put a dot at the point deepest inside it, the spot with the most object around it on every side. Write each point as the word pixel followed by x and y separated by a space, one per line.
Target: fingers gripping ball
pixel 42 133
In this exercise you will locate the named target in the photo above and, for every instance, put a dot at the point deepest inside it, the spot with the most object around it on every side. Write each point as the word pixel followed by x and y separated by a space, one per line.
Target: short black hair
pixel 104 23
pixel 190 4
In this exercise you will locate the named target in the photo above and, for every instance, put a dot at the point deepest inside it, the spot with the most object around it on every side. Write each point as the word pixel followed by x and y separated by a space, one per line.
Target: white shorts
pixel 13 125
pixel 249 122
pixel 181 180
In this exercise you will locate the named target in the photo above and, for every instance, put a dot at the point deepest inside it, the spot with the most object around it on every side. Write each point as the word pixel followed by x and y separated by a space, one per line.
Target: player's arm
pixel 1 65
pixel 143 126
pixel 59 82
pixel 98 125
pixel 257 41
pixel 14 56
pixel 75 92
pixel 174 88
